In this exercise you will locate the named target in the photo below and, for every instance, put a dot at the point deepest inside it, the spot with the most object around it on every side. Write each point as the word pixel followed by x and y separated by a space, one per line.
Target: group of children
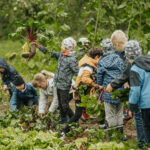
pixel 118 64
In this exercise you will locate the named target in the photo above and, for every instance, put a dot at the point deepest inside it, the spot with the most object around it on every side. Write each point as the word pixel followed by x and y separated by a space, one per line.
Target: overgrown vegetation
pixel 96 19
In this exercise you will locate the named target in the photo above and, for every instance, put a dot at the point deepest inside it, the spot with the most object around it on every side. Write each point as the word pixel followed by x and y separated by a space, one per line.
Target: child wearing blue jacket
pixel 109 67
pixel 139 97
pixel 8 73
pixel 23 95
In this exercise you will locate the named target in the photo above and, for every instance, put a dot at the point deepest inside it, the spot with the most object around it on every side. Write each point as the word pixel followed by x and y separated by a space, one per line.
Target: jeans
pixel 146 122
pixel 139 126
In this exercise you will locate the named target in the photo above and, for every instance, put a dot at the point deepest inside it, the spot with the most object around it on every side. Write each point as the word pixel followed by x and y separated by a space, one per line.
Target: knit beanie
pixel 107 45
pixel 84 41
pixel 18 80
pixel 132 49
pixel 68 44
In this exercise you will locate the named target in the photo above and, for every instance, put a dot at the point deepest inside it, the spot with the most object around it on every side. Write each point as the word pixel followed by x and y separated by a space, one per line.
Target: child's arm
pixel 54 104
pixel 45 50
pixel 13 101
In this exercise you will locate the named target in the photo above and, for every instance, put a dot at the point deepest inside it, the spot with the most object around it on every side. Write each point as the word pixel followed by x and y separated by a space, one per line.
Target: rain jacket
pixel 28 94
pixel 140 83
pixel 109 67
pixel 9 74
pixel 67 67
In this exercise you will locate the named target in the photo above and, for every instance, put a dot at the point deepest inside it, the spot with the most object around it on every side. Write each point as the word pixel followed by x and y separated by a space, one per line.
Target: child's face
pixel 42 84
pixel 2 69
pixel 20 87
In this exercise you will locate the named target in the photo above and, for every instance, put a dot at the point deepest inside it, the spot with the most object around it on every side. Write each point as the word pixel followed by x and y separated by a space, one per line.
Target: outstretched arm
pixel 45 50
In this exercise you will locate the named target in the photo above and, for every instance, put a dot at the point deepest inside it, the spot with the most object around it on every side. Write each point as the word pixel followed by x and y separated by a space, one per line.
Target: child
pixel 23 95
pixel 8 73
pixel 139 87
pixel 107 45
pixel 109 67
pixel 88 66
pixel 67 67
pixel 47 88
pixel 119 40
pixel 84 46
pixel 119 81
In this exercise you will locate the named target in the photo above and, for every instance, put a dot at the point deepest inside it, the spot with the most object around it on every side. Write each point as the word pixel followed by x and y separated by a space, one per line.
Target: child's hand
pixel 36 44
pixel 4 88
pixel 101 88
pixel 126 85
pixel 97 86
pixel 41 115
pixel 130 114
pixel 108 89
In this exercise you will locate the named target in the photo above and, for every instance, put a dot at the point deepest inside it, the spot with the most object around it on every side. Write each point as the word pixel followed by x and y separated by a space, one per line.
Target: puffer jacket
pixel 87 66
pixel 9 74
pixel 28 94
pixel 109 67
pixel 139 96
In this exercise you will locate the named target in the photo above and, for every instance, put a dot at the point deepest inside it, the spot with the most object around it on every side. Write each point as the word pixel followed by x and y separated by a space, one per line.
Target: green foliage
pixel 95 19
pixel 27 119
pixel 122 95
pixel 91 103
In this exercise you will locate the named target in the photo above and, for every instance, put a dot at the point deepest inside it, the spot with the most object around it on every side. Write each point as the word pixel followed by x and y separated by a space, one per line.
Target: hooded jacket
pixel 28 94
pixel 140 83
pixel 87 65
pixel 67 67
pixel 9 74
pixel 109 67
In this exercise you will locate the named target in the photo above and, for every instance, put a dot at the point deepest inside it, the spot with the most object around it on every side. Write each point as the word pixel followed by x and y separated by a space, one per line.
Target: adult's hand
pixel 109 88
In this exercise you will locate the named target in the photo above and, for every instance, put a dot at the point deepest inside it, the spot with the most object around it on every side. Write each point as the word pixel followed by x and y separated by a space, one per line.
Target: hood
pixel 143 62
pixel 4 64
pixel 110 60
pixel 89 61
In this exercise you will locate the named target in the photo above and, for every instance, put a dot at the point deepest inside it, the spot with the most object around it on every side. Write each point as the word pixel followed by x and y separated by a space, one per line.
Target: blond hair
pixel 119 36
pixel 38 78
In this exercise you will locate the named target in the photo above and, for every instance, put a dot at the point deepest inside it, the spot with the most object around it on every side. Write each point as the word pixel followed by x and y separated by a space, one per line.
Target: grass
pixel 26 68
